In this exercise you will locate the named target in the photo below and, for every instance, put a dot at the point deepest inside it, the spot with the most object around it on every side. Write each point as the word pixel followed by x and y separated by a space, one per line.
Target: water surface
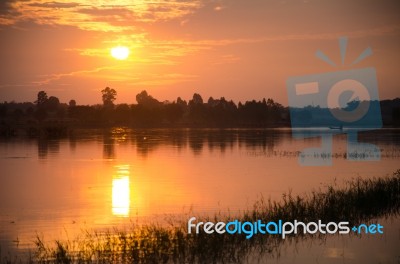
pixel 98 179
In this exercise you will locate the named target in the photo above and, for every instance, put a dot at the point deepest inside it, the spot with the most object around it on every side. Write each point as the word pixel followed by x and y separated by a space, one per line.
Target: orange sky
pixel 234 48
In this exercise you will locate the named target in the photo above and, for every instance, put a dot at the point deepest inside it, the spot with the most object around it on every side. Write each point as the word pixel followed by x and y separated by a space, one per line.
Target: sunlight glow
pixel 121 192
pixel 120 52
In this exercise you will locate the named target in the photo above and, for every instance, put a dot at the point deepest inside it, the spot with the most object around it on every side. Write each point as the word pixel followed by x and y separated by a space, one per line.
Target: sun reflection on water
pixel 121 191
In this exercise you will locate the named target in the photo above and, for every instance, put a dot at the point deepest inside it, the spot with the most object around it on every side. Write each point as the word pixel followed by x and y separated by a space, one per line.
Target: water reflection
pixel 268 142
pixel 46 147
pixel 108 147
pixel 121 191
pixel 196 143
pixel 72 142
pixel 197 140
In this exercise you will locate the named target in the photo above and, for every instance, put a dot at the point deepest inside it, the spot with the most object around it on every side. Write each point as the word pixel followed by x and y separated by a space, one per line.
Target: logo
pixel 341 102
pixel 279 228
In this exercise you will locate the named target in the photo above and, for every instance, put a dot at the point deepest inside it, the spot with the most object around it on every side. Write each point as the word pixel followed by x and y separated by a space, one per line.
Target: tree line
pixel 149 112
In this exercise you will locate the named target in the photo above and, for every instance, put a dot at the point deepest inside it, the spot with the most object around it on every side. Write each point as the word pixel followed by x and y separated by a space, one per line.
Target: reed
pixel 359 200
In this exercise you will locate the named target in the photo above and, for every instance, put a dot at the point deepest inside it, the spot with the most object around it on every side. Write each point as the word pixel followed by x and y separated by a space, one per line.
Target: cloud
pixel 388 30
pixel 164 79
pixel 95 16
pixel 120 74
pixel 226 59
pixel 54 5
pixel 54 77
pixel 5 6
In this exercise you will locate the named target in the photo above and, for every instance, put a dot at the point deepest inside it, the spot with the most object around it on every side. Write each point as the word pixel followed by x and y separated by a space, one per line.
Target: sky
pixel 238 49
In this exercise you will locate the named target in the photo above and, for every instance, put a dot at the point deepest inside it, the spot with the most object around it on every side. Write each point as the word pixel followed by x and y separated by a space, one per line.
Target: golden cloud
pixel 95 15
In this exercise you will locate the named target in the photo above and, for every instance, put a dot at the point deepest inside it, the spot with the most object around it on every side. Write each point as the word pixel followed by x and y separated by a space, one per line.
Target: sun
pixel 120 52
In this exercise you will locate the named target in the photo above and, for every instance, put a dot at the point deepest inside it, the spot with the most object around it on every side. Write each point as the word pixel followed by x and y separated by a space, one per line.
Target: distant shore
pixel 48 117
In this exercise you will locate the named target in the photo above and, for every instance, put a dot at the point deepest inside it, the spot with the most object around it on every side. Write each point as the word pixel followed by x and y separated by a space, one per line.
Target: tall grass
pixel 360 200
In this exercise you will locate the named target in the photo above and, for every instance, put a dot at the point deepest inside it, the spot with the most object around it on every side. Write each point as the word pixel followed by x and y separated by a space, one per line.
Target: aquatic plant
pixel 359 200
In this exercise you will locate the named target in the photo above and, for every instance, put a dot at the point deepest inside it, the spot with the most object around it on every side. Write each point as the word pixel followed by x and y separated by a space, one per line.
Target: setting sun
pixel 120 52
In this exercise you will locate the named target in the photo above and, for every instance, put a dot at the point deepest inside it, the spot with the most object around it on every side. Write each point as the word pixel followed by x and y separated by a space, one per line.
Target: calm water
pixel 98 179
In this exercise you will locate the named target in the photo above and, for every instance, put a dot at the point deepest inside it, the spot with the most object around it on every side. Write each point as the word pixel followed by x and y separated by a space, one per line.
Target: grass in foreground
pixel 360 200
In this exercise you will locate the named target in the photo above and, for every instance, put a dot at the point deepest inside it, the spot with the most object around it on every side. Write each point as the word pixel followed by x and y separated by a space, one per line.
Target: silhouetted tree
pixel 108 96
pixel 181 102
pixel 122 114
pixel 396 116
pixel 40 114
pixel 61 112
pixel 173 112
pixel 147 100
pixel 29 112
pixel 52 103
pixel 142 97
pixel 3 110
pixel 86 114
pixel 197 99
pixel 211 101
pixel 72 103
pixel 41 99
pixel 197 110
pixel 17 114
pixel 221 112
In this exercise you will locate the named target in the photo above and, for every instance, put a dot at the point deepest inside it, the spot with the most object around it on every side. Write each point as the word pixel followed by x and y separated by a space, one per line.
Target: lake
pixel 100 179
